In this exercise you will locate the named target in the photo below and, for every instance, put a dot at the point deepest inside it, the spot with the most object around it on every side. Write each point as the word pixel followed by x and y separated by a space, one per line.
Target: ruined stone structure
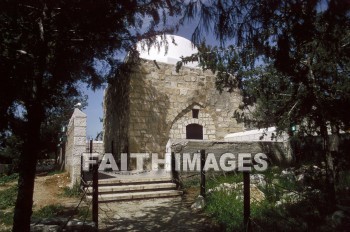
pixel 154 103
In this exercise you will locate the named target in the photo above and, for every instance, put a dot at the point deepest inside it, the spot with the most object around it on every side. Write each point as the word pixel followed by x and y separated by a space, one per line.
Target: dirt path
pixel 48 191
pixel 166 214
pixel 172 214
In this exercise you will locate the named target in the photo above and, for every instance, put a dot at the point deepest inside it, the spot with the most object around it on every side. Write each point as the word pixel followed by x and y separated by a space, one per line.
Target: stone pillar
pixel 75 145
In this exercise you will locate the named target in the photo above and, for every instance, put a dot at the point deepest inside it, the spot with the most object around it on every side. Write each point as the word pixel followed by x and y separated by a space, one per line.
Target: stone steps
pixel 136 195
pixel 133 187
pixel 123 189
pixel 115 181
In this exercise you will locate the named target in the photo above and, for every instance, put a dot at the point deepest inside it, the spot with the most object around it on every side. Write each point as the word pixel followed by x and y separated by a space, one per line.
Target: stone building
pixel 154 103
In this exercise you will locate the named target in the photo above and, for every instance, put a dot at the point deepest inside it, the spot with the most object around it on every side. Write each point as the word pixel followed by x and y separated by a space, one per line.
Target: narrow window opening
pixel 195 113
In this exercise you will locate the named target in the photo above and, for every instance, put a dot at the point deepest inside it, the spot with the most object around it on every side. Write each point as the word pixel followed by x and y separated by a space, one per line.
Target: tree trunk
pixel 27 168
pixel 330 190
pixel 35 117
pixel 334 149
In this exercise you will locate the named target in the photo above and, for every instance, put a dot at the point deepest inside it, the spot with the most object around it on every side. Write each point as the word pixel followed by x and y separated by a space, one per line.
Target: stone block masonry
pixel 97 147
pixel 154 103
pixel 75 145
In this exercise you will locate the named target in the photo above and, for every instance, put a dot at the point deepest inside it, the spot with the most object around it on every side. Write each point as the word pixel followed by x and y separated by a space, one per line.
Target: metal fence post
pixel 94 190
pixel 82 172
pixel 246 200
pixel 202 155
pixel 174 172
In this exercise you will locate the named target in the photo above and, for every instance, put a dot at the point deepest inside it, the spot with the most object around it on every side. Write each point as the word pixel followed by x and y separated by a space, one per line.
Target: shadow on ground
pixel 172 214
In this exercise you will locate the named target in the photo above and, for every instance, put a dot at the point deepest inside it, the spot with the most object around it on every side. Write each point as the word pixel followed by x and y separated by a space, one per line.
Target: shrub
pixel 226 209
pixel 6 218
pixel 75 191
pixel 8 178
pixel 54 172
pixel 8 197
pixel 48 211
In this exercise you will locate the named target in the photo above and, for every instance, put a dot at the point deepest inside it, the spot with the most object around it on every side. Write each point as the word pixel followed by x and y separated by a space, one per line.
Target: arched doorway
pixel 194 131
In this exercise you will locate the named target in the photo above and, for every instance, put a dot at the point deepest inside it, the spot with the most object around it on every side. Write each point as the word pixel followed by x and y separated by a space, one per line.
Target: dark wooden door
pixel 194 131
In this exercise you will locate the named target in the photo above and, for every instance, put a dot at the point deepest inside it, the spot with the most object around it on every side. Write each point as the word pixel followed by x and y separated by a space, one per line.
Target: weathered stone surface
pixel 198 204
pixel 75 145
pixel 159 102
pixel 97 147
pixel 258 179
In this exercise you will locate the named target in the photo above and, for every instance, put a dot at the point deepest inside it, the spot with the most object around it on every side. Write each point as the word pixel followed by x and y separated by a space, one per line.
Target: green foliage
pixel 84 212
pixel 226 210
pixel 75 191
pixel 212 179
pixel 8 178
pixel 8 197
pixel 289 58
pixel 307 213
pixel 216 179
pixel 57 210
pixel 191 181
pixel 10 149
pixel 6 218
pixel 48 211
pixel 344 179
pixel 54 172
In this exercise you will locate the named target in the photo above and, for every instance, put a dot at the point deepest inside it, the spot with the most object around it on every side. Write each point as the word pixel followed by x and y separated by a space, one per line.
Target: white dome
pixel 177 47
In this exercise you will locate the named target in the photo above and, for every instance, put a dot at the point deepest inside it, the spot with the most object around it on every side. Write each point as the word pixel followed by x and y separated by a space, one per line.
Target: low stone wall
pixel 278 153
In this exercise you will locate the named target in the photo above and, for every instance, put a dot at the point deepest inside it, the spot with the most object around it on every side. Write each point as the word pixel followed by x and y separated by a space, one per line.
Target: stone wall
pixel 278 153
pixel 97 147
pixel 154 103
pixel 116 115
pixel 75 145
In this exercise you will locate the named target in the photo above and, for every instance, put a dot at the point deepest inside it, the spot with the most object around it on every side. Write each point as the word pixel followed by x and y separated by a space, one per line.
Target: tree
pixel 47 48
pixel 11 145
pixel 290 59
pixel 58 117
pixel 10 150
